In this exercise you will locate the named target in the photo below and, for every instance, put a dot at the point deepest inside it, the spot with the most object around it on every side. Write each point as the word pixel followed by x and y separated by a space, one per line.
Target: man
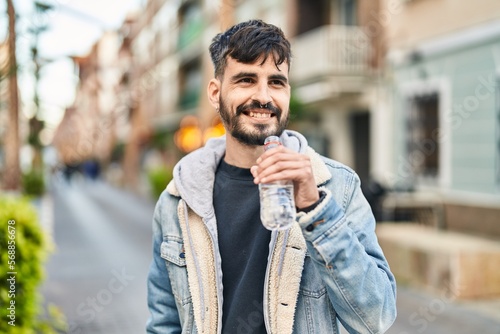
pixel 215 268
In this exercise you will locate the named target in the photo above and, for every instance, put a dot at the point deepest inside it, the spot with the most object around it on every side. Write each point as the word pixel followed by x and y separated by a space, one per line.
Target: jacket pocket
pixel 172 250
pixel 314 311
pixel 311 285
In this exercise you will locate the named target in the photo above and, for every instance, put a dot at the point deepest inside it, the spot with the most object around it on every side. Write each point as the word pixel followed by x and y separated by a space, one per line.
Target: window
pixel 311 15
pixel 191 23
pixel 422 133
pixel 190 83
pixel 348 13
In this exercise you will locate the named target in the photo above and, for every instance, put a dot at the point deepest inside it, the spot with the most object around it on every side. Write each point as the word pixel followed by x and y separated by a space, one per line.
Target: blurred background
pixel 100 99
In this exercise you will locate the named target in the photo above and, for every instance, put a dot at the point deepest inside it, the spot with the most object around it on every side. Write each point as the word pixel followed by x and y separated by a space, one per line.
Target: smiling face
pixel 253 99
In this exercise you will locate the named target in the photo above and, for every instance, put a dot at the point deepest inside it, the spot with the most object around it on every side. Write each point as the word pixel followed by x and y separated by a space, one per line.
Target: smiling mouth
pixel 260 115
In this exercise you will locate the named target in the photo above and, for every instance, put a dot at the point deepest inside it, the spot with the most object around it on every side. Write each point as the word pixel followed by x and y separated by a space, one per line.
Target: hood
pixel 195 173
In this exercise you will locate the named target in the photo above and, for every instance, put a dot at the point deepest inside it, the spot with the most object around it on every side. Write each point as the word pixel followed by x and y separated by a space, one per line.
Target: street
pixel 97 273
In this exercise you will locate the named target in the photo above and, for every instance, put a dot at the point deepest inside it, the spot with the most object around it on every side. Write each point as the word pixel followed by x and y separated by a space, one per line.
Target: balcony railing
pixel 330 51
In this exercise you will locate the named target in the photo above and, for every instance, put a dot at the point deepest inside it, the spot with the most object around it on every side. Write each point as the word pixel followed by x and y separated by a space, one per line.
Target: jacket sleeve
pixel 340 236
pixel 164 317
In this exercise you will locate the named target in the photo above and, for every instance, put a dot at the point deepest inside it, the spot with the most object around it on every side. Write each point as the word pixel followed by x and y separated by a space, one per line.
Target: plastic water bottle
pixel 277 204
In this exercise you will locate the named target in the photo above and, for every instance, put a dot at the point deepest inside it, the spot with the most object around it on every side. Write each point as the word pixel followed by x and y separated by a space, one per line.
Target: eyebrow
pixel 240 75
pixel 279 77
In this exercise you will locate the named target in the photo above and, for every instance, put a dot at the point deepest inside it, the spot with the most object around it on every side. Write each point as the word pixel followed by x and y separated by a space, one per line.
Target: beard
pixel 251 134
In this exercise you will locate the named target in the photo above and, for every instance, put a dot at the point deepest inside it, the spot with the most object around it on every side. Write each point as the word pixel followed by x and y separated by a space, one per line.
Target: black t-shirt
pixel 244 248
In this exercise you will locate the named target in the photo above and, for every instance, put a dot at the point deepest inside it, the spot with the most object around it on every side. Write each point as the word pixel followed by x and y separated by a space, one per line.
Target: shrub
pixel 24 249
pixel 33 183
pixel 158 178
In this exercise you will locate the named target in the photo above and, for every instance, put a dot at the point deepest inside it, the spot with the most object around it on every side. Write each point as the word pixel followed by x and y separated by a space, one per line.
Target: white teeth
pixel 260 115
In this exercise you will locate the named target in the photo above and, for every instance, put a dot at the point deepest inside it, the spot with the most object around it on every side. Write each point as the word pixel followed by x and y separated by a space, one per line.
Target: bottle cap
pixel 271 142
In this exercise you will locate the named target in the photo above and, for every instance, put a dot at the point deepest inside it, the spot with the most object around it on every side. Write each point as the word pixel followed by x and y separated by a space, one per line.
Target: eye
pixel 277 83
pixel 245 80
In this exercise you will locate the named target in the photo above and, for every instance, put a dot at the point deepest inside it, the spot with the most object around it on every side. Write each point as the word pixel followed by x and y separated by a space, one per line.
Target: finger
pixel 271 152
pixel 295 170
pixel 283 160
pixel 272 158
pixel 254 170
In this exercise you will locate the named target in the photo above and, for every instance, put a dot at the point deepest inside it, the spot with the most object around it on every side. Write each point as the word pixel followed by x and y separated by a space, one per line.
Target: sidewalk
pixel 420 312
pixel 448 282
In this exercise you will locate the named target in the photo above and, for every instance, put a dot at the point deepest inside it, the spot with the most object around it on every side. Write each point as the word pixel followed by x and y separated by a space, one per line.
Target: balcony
pixel 329 61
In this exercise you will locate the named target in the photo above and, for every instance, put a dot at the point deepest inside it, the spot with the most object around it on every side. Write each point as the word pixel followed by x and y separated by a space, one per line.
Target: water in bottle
pixel 277 204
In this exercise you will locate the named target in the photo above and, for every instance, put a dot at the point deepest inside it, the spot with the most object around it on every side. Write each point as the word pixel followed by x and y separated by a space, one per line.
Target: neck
pixel 240 155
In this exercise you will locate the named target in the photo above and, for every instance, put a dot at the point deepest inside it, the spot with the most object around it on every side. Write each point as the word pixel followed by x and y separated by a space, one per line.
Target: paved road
pixel 97 274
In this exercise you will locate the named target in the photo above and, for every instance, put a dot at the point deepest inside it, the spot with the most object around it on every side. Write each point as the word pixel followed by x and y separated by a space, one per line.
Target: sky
pixel 73 27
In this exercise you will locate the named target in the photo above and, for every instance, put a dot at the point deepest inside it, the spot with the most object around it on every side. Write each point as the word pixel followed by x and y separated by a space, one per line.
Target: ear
pixel 213 92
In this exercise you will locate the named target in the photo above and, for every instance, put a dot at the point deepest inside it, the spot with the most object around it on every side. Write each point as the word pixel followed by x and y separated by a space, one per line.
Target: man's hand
pixel 280 163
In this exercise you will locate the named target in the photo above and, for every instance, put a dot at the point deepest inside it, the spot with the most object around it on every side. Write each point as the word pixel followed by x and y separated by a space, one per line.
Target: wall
pixel 465 76
pixel 417 20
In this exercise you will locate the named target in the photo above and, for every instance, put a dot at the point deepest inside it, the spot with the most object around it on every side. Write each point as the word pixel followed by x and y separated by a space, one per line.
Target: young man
pixel 215 268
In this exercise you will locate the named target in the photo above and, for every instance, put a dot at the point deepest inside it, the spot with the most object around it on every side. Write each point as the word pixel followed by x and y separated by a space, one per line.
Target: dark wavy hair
pixel 246 42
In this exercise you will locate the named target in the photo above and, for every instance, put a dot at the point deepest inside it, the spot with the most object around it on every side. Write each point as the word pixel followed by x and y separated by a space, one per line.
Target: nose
pixel 262 95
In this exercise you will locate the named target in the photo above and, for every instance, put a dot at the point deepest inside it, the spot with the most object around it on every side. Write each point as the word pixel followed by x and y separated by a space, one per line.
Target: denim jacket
pixel 327 268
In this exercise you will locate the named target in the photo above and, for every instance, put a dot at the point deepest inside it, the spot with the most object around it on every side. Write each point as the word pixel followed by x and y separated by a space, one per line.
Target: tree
pixel 12 173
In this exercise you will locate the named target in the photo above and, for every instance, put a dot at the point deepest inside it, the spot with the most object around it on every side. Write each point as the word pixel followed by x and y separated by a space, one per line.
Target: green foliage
pixel 297 108
pixel 118 152
pixel 162 139
pixel 189 99
pixel 33 183
pixel 24 249
pixel 158 178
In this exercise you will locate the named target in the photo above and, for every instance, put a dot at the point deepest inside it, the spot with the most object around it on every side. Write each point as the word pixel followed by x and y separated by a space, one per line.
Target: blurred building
pixel 337 56
pixel 88 128
pixel 166 67
pixel 442 124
